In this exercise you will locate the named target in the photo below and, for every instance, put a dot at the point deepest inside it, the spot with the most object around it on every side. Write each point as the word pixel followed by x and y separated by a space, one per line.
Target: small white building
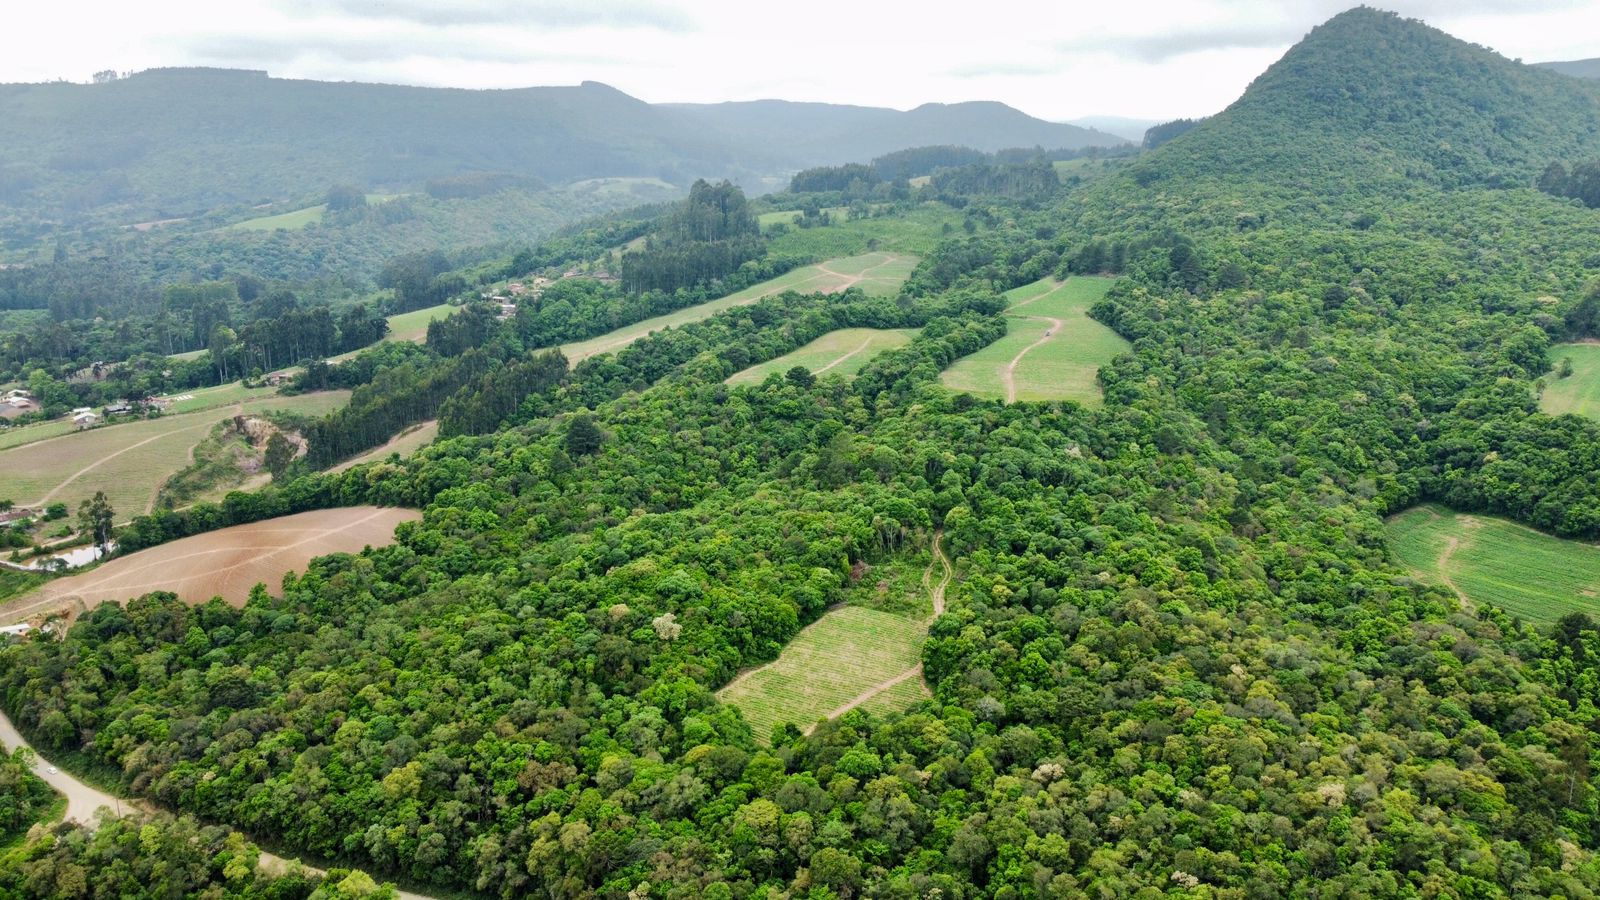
pixel 14 393
pixel 15 630
pixel 85 419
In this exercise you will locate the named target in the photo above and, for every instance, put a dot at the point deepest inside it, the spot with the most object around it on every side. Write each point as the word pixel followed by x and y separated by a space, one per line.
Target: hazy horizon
pixel 1147 59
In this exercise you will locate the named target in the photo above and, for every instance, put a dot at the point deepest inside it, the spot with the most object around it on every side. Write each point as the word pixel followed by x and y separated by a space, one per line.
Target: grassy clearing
pixel 289 221
pixel 130 462
pixel 1494 561
pixel 413 326
pixel 187 355
pixel 826 666
pixel 878 274
pixel 405 443
pixel 841 352
pixel 1052 351
pixel 791 216
pixel 915 233
pixel 407 326
pixel 1579 393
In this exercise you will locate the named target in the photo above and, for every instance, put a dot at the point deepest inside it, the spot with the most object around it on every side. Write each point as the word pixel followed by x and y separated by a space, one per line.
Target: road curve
pixel 83 801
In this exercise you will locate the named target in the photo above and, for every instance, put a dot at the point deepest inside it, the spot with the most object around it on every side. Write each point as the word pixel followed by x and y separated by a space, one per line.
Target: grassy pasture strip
pixel 1579 393
pixel 1039 359
pixel 875 273
pixel 405 443
pixel 916 233
pixel 291 221
pixel 1534 575
pixel 129 462
pixel 827 665
pixel 842 352
pixel 409 326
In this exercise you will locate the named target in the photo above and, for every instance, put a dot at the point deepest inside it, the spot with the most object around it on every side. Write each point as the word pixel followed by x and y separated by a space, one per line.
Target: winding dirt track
pixel 1009 377
pixel 864 344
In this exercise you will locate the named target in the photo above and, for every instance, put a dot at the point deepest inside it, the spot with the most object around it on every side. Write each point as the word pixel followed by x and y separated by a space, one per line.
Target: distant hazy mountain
pixel 825 133
pixel 1131 129
pixel 1578 68
pixel 173 142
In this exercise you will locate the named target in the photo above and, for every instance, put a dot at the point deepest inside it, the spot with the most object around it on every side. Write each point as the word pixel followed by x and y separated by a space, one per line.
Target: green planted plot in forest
pixel 1052 350
pixel 876 274
pixel 841 352
pixel 1573 384
pixel 833 662
pixel 915 232
pixel 1493 561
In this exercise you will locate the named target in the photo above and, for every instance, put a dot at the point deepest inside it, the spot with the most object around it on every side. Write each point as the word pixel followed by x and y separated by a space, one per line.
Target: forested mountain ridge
pixel 175 142
pixel 829 134
pixel 1369 95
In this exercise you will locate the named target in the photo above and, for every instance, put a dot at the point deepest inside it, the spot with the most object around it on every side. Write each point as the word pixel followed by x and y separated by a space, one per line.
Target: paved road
pixel 83 801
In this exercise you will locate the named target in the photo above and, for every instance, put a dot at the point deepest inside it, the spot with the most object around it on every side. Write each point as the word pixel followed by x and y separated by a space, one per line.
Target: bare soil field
pixel 225 563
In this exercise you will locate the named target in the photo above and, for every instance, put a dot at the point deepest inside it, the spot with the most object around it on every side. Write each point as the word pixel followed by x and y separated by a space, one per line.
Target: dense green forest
pixel 1177 655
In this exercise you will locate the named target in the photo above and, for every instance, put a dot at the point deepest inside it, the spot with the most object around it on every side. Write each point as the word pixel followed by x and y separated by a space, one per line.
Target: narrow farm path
pixel 1009 377
pixel 83 801
pixel 936 597
pixel 1451 545
pixel 107 458
pixel 864 345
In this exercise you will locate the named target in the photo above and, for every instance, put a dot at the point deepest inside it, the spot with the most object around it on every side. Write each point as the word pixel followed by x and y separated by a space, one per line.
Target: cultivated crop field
pixel 1052 350
pixel 841 352
pixel 877 274
pixel 1494 561
pixel 1578 393
pixel 829 664
pixel 405 443
pixel 129 461
pixel 225 563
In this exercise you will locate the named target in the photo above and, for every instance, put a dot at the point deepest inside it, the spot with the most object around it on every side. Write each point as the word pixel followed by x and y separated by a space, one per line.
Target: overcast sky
pixel 1057 59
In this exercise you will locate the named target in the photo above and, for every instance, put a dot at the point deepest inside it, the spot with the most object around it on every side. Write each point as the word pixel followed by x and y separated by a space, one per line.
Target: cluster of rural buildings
pixel 18 402
pixel 518 290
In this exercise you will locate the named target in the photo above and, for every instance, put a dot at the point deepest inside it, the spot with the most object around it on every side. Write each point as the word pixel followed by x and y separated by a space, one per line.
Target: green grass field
pixel 187 355
pixel 408 326
pixel 877 274
pixel 1579 393
pixel 830 663
pixel 915 233
pixel 129 461
pixel 289 221
pixel 790 216
pixel 405 443
pixel 841 352
pixel 1052 350
pixel 1494 561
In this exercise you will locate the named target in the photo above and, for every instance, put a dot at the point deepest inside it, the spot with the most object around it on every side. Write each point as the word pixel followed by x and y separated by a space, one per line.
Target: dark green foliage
pixel 708 236
pixel 1581 184
pixel 1166 131
pixel 480 407
pixel 24 797
pixel 854 176
pixel 584 437
pixel 163 857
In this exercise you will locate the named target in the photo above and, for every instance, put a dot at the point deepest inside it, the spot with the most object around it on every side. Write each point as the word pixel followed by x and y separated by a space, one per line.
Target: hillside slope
pixel 169 143
pixel 1369 95
pixel 1577 68
pixel 825 134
